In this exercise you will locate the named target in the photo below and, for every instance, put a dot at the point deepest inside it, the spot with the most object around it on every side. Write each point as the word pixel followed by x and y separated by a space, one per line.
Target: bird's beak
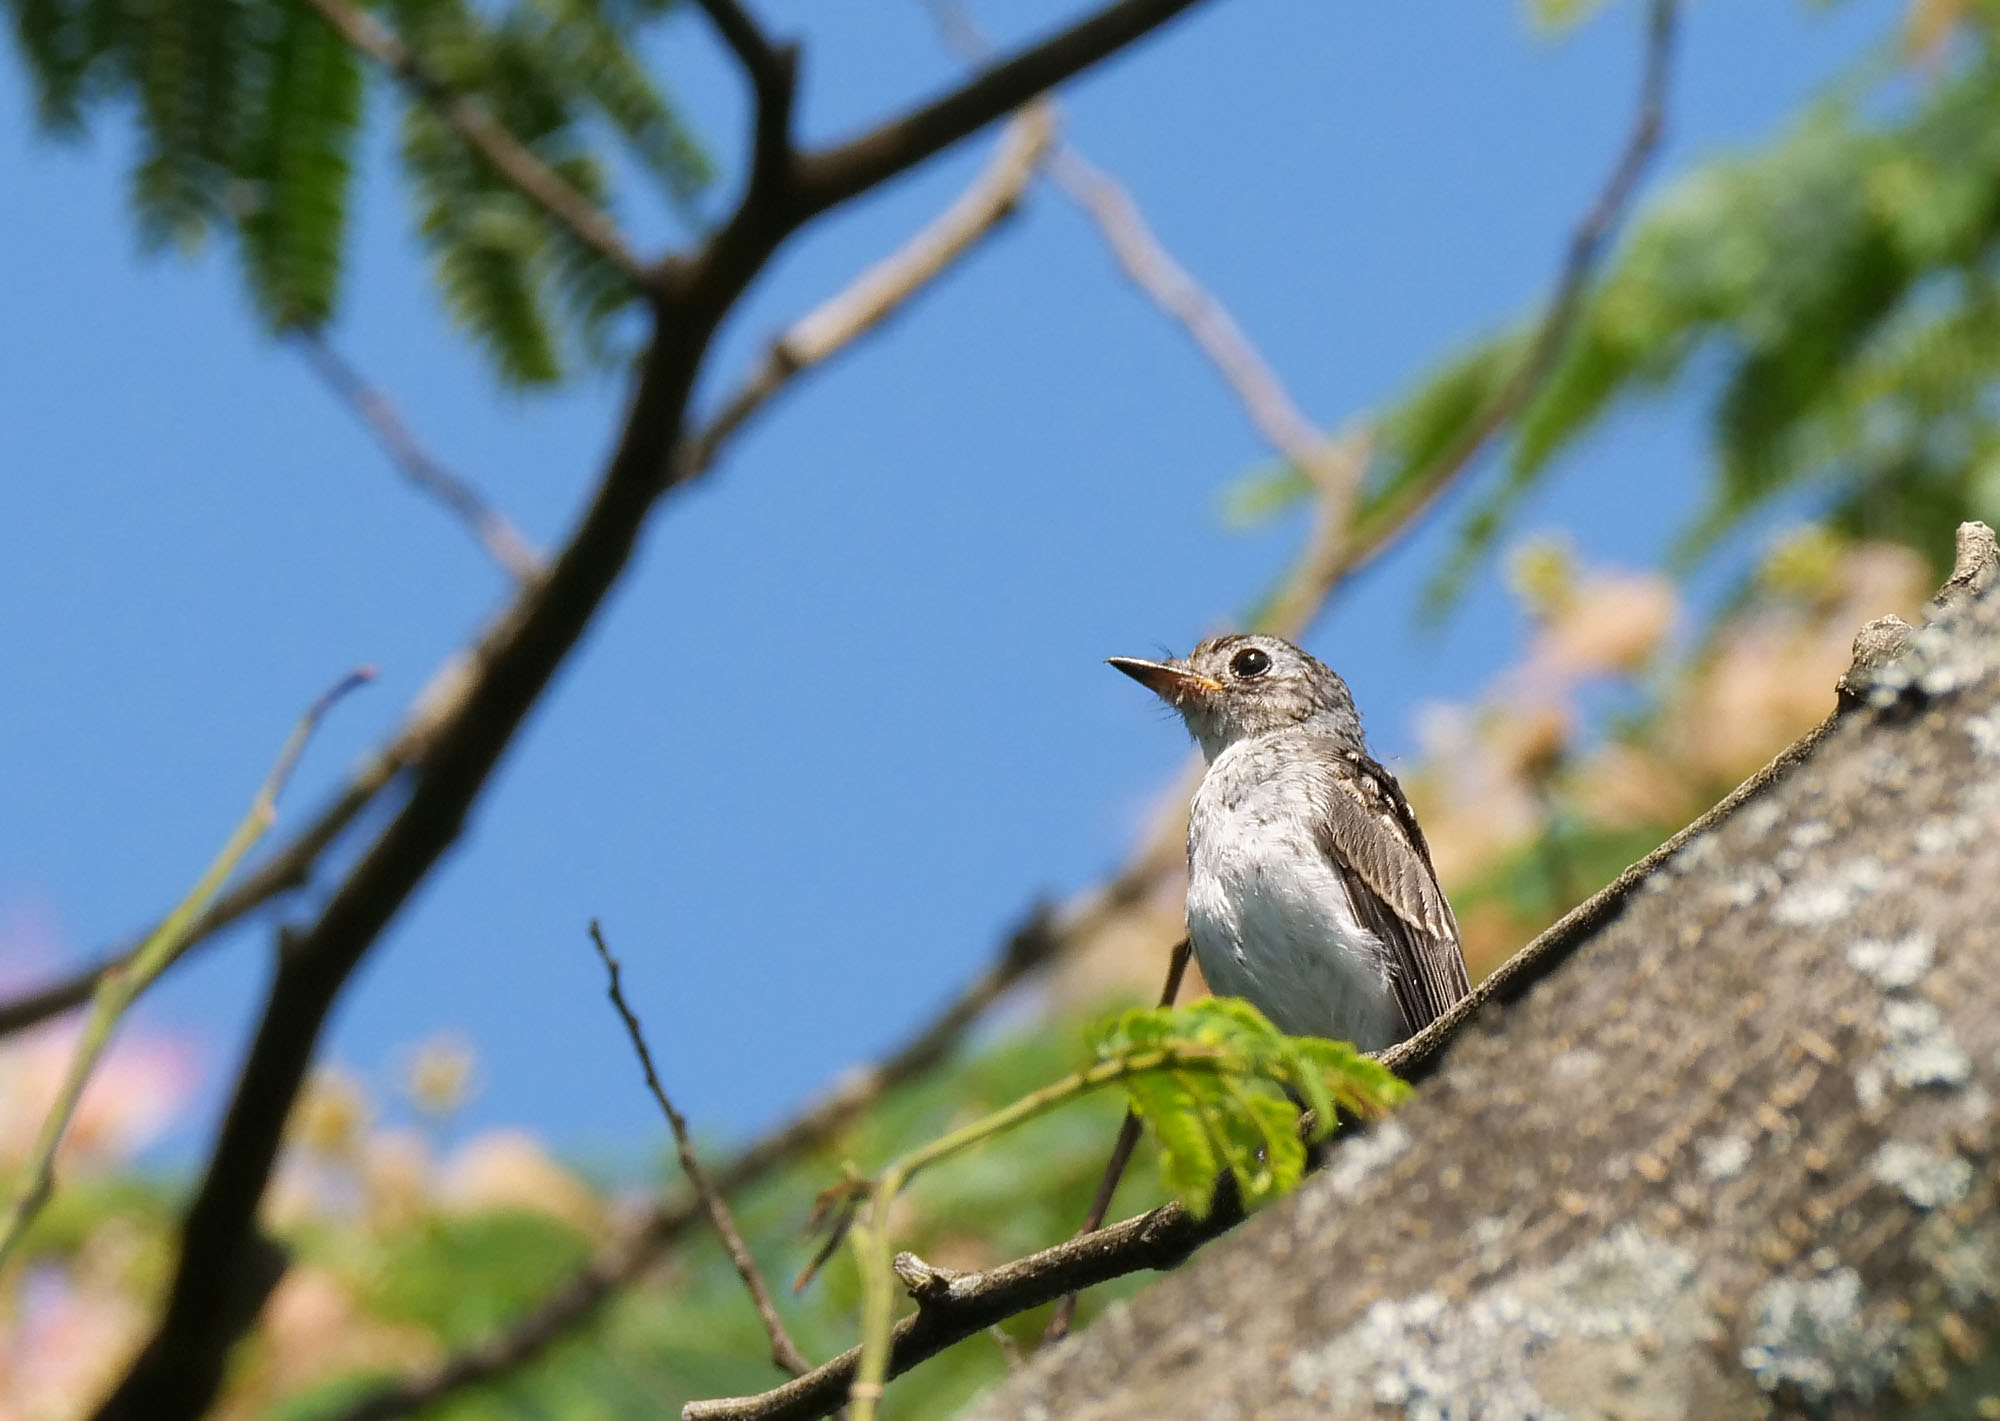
pixel 1171 683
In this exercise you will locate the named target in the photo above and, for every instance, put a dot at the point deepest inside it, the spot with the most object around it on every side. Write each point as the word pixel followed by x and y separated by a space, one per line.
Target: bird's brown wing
pixel 1371 836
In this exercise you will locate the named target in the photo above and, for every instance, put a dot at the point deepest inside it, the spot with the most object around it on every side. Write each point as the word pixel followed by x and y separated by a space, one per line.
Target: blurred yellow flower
pixel 440 1074
pixel 332 1115
pixel 1542 573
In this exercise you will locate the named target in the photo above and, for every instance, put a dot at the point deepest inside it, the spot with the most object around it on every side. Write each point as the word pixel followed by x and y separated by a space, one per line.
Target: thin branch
pixel 288 868
pixel 773 73
pixel 1586 246
pixel 832 175
pixel 951 1307
pixel 501 540
pixel 117 991
pixel 505 153
pixel 1121 1154
pixel 886 287
pixel 284 871
pixel 784 1352
pixel 1335 465
pixel 1027 949
pixel 1327 462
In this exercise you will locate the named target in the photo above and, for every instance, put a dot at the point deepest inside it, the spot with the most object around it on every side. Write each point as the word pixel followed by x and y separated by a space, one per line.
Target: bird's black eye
pixel 1249 662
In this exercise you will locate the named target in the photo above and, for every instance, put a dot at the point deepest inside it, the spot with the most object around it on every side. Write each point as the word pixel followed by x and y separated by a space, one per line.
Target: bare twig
pixel 884 288
pixel 784 1351
pixel 117 990
pixel 501 540
pixel 1121 1155
pixel 1027 949
pixel 507 155
pixel 1586 245
pixel 957 1306
pixel 1327 462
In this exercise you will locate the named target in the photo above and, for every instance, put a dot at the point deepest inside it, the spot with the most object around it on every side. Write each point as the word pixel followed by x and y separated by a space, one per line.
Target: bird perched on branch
pixel 1310 888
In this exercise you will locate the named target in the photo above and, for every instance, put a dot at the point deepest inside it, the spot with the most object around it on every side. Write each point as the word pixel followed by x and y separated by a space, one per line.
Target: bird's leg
pixel 1121 1155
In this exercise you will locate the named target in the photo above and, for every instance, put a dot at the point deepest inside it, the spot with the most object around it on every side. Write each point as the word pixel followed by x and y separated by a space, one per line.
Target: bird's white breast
pixel 1269 916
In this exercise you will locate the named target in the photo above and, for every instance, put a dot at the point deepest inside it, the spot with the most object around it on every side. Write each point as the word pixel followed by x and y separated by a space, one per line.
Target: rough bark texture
pixel 1735 1157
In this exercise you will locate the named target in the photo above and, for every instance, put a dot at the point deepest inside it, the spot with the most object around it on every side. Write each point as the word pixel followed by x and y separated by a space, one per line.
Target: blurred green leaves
pixel 249 113
pixel 1837 295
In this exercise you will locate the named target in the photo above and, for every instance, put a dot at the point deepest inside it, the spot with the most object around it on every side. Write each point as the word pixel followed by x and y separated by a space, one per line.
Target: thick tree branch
pixel 176 1375
pixel 507 155
pixel 784 1352
pixel 501 540
pixel 833 175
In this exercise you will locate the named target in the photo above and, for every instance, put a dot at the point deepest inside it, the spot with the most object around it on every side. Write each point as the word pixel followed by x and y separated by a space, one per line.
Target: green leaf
pixel 484 241
pixel 1229 1093
pixel 591 54
pixel 297 167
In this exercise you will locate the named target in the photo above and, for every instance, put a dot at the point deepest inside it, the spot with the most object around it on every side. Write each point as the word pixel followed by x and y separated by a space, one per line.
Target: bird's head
pixel 1233 688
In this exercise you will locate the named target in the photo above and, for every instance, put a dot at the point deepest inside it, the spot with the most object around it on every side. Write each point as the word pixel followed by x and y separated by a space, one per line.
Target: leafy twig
pixel 869 1234
pixel 1208 1076
pixel 119 988
pixel 509 157
pixel 784 1351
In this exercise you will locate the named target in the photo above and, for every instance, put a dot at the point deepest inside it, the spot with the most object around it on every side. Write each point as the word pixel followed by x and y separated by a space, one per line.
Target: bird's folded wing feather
pixel 1371 836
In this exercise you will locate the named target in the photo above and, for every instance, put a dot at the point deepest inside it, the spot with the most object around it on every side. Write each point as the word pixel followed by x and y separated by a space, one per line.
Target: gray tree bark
pixel 1733 1155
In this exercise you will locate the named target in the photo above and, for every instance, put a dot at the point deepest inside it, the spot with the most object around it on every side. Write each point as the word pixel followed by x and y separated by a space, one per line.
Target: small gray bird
pixel 1310 888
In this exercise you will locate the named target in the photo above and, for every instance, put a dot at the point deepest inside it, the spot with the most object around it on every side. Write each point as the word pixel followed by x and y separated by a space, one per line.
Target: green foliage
pixel 297 167
pixel 249 112
pixel 1223 1096
pixel 1839 290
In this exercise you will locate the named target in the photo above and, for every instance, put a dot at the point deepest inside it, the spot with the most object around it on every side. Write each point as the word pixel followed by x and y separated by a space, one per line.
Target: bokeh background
pixel 846 721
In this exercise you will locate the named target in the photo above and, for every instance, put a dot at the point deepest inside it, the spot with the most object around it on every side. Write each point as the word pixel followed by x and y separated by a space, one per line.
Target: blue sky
pixel 847 716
